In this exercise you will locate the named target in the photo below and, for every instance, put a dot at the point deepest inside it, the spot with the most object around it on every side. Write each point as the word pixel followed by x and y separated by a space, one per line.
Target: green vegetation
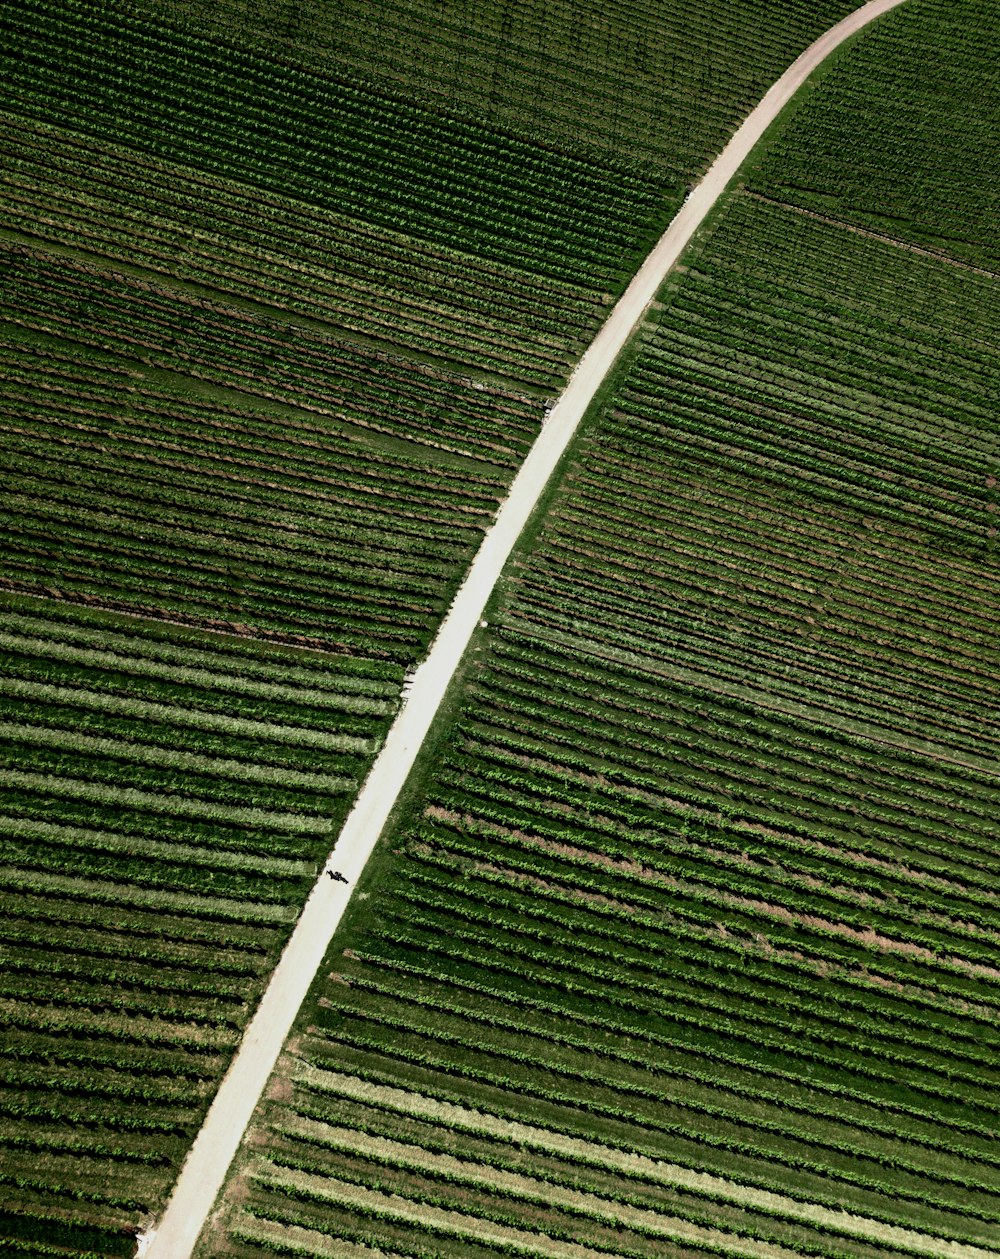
pixel 139 492
pixel 688 943
pixel 279 317
pixel 433 235
pixel 897 141
pixel 657 86
pixel 166 799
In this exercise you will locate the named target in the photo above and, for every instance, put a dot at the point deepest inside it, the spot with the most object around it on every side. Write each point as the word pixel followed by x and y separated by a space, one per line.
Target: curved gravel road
pixel 208 1161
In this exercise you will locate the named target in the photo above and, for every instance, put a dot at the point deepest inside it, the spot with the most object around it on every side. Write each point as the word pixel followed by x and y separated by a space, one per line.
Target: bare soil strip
pixel 206 1166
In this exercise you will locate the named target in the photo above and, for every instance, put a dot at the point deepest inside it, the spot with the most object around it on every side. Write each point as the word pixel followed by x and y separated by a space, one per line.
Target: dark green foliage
pixel 693 877
pixel 894 138
pixel 157 840
pixel 705 865
pixel 17 1230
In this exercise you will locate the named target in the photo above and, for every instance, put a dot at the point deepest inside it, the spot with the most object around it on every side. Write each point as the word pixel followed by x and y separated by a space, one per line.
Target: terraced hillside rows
pixel 277 326
pixel 688 941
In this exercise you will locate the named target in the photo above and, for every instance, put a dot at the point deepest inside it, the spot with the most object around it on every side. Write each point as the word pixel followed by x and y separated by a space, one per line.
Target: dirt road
pixel 208 1161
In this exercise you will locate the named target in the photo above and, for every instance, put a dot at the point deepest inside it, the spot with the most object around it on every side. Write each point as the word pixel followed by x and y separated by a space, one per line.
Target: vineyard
pixel 910 92
pixel 278 324
pixel 689 941
pixel 129 487
pixel 658 85
pixel 516 247
pixel 167 799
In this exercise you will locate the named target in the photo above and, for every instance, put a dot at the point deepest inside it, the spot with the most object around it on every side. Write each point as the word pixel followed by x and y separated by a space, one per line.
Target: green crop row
pixel 619 986
pixel 883 173
pixel 589 1094
pixel 624 1186
pixel 156 853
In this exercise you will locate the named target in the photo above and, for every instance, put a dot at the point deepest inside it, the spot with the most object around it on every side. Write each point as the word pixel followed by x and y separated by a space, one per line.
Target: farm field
pixel 911 92
pixel 137 489
pixel 277 327
pixel 167 798
pixel 406 291
pixel 688 940
pixel 656 85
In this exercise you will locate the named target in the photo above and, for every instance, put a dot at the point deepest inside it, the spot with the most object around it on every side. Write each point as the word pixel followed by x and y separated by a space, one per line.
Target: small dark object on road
pixel 337 876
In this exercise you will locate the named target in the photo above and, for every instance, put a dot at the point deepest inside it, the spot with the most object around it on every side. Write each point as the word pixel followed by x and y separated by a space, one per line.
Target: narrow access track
pixel 208 1161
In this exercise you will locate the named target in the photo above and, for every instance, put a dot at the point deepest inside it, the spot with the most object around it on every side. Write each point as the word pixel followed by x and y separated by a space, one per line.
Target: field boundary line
pixel 205 1168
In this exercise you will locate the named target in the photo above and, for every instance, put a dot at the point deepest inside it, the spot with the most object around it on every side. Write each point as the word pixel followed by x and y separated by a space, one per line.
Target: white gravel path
pixel 208 1161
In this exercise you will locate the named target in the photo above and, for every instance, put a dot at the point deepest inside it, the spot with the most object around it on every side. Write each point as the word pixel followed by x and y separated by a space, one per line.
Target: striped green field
pixel 167 797
pixel 279 319
pixel 689 939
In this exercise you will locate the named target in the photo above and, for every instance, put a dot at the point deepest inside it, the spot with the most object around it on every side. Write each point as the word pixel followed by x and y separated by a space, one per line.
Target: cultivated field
pixel 688 941
pixel 657 86
pixel 277 326
pixel 166 799
pixel 138 489
pixel 919 101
